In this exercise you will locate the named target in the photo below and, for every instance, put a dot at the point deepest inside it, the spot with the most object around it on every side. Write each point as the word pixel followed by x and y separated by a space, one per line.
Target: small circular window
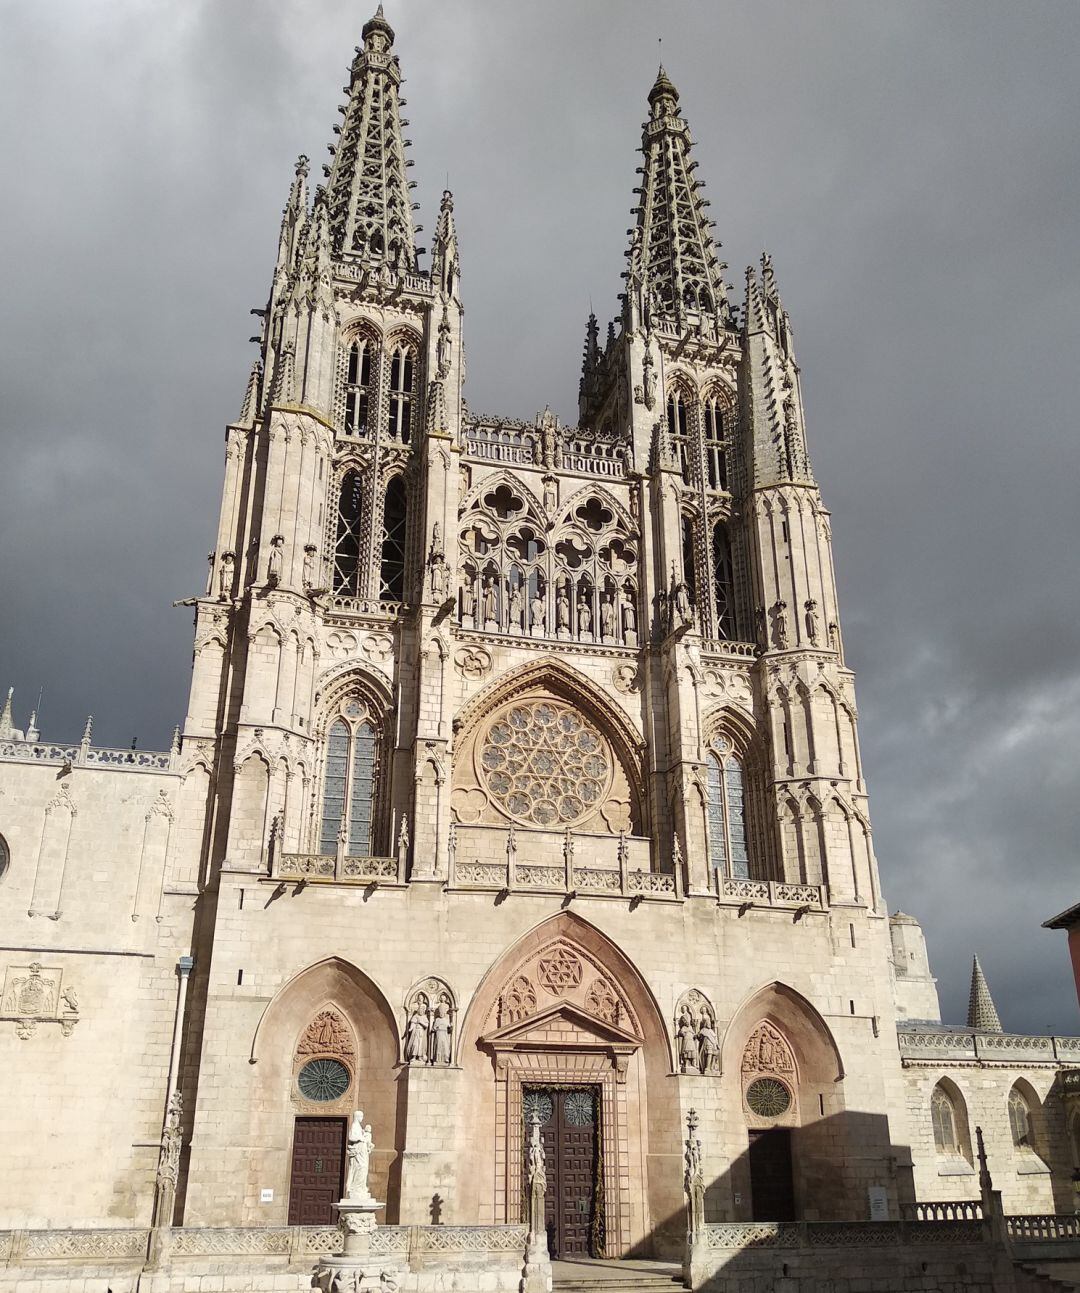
pixel 323 1080
pixel 768 1097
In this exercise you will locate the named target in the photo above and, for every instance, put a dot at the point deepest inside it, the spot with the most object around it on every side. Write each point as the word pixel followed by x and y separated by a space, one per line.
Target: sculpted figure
pixel 584 616
pixel 629 616
pixel 225 575
pixel 689 1055
pixel 273 563
pixel 562 609
pixel 468 595
pixel 607 617
pixel 309 565
pixel 491 605
pixel 439 1041
pixel 517 606
pixel 709 1049
pixel 537 608
pixel 416 1031
pixel 358 1158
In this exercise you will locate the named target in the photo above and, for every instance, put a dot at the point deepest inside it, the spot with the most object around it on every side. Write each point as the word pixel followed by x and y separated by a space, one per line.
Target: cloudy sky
pixel 914 170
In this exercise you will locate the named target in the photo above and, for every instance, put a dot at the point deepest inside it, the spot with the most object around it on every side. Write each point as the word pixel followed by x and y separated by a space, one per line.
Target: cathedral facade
pixel 520 778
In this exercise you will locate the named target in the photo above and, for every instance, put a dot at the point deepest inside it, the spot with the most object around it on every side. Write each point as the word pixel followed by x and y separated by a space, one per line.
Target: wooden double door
pixel 570 1133
pixel 318 1171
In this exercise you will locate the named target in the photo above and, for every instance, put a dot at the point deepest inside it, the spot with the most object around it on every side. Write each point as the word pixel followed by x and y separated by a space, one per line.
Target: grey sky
pixel 914 170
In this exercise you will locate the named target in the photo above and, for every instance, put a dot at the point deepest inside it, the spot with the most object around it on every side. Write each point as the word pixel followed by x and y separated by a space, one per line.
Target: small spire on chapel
pixel 982 1013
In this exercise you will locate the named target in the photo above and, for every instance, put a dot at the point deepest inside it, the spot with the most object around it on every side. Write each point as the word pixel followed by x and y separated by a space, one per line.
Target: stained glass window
pixel 543 763
pixel 727 816
pixel 349 786
pixel 768 1097
pixel 323 1080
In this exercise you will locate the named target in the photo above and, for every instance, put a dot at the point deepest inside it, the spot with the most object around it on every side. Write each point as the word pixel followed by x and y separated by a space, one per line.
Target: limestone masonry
pixel 520 778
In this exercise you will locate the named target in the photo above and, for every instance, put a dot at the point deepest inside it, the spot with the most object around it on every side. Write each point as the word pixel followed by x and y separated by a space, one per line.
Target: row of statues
pixel 489 616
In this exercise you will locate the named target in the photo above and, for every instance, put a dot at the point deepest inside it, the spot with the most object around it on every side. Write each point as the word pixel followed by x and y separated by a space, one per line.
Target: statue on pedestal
pixel 358 1158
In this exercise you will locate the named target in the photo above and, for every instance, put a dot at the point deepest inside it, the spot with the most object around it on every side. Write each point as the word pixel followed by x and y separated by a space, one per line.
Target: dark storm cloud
pixel 913 169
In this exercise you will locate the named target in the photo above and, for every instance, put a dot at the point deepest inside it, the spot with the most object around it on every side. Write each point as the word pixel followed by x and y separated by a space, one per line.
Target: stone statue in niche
pixel 584 618
pixel 439 1047
pixel 779 619
pixel 811 622
pixel 308 576
pixel 562 612
pixel 607 619
pixel 416 1030
pixel 648 378
pixel 490 604
pixel 629 619
pixel 442 348
pixel 550 495
pixel 429 1025
pixel 697 1042
pixel 275 560
pixel 468 597
pixel 225 575
pixel 358 1158
pixel 517 607
pixel 537 612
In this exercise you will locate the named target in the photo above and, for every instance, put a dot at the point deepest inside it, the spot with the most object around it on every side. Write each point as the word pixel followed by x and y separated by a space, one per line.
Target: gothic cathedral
pixel 520 779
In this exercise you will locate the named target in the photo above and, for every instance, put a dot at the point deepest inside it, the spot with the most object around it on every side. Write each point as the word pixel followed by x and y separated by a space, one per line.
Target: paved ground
pixel 604 1271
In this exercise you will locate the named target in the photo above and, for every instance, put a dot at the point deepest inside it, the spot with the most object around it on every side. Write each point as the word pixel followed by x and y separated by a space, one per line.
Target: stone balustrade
pixel 591 881
pixel 948 1210
pixel 1000 1048
pixel 1061 1226
pixel 86 756
pixel 770 893
pixel 343 869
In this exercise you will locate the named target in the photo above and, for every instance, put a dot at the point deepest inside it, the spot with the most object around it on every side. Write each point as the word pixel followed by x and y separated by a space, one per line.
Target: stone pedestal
pixel 355 1269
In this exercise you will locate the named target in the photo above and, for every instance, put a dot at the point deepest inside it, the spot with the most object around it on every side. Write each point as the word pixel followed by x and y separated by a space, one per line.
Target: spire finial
pixel 982 1013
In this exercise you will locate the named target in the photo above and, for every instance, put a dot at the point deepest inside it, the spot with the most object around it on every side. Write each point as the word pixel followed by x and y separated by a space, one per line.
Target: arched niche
pixel 564 1006
pixel 338 989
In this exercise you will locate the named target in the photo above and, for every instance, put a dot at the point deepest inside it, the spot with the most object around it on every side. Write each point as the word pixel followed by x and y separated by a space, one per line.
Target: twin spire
pixel 673 257
pixel 369 198
pixel 982 1013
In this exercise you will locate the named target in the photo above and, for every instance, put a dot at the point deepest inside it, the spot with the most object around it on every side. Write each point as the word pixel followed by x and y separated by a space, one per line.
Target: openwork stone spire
pixel 370 207
pixel 672 253
pixel 982 1013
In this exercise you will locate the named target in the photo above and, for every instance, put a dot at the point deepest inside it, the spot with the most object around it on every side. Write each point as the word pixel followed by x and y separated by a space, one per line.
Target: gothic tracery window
pixel 402 393
pixel 715 442
pixel 350 783
pixel 679 429
pixel 347 565
pixel 577 580
pixel 392 554
pixel 1020 1120
pixel 723 583
pixel 943 1117
pixel 728 853
pixel 358 386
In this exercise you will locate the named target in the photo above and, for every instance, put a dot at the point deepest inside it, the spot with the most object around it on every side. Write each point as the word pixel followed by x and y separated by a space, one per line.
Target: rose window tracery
pixel 559 972
pixel 544 764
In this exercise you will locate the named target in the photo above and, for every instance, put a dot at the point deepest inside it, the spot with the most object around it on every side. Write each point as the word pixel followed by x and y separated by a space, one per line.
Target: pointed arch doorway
pixel 564 1021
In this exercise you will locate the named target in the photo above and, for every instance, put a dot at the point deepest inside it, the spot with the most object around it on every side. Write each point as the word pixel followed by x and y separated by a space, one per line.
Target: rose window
pixel 543 763
pixel 768 1097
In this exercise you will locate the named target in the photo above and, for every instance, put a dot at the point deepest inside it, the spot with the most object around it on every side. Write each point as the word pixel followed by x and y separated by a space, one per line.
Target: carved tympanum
pixel 327 1034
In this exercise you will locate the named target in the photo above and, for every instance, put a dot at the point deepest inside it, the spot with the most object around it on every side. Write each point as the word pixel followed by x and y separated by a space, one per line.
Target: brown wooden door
pixel 318 1164
pixel 569 1130
pixel 772 1189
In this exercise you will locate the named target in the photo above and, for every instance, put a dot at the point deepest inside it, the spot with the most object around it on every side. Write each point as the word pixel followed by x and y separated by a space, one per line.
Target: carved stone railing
pixel 1000 1048
pixel 594 458
pixel 347 870
pixel 593 881
pixel 839 1234
pixel 85 756
pixel 770 893
pixel 341 605
pixel 106 1245
pixel 722 647
pixel 948 1210
pixel 501 443
pixel 1062 1226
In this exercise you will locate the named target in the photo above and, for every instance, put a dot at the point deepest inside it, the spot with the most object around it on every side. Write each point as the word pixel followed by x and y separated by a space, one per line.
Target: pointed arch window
pixel 943 1116
pixel 688 561
pixel 349 787
pixel 727 813
pixel 402 378
pixel 715 436
pixel 347 564
pixel 1020 1121
pixel 723 583
pixel 679 430
pixel 392 558
pixel 358 387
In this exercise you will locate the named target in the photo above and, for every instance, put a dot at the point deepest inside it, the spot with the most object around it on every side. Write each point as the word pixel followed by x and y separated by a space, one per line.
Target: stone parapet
pixel 1000 1048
